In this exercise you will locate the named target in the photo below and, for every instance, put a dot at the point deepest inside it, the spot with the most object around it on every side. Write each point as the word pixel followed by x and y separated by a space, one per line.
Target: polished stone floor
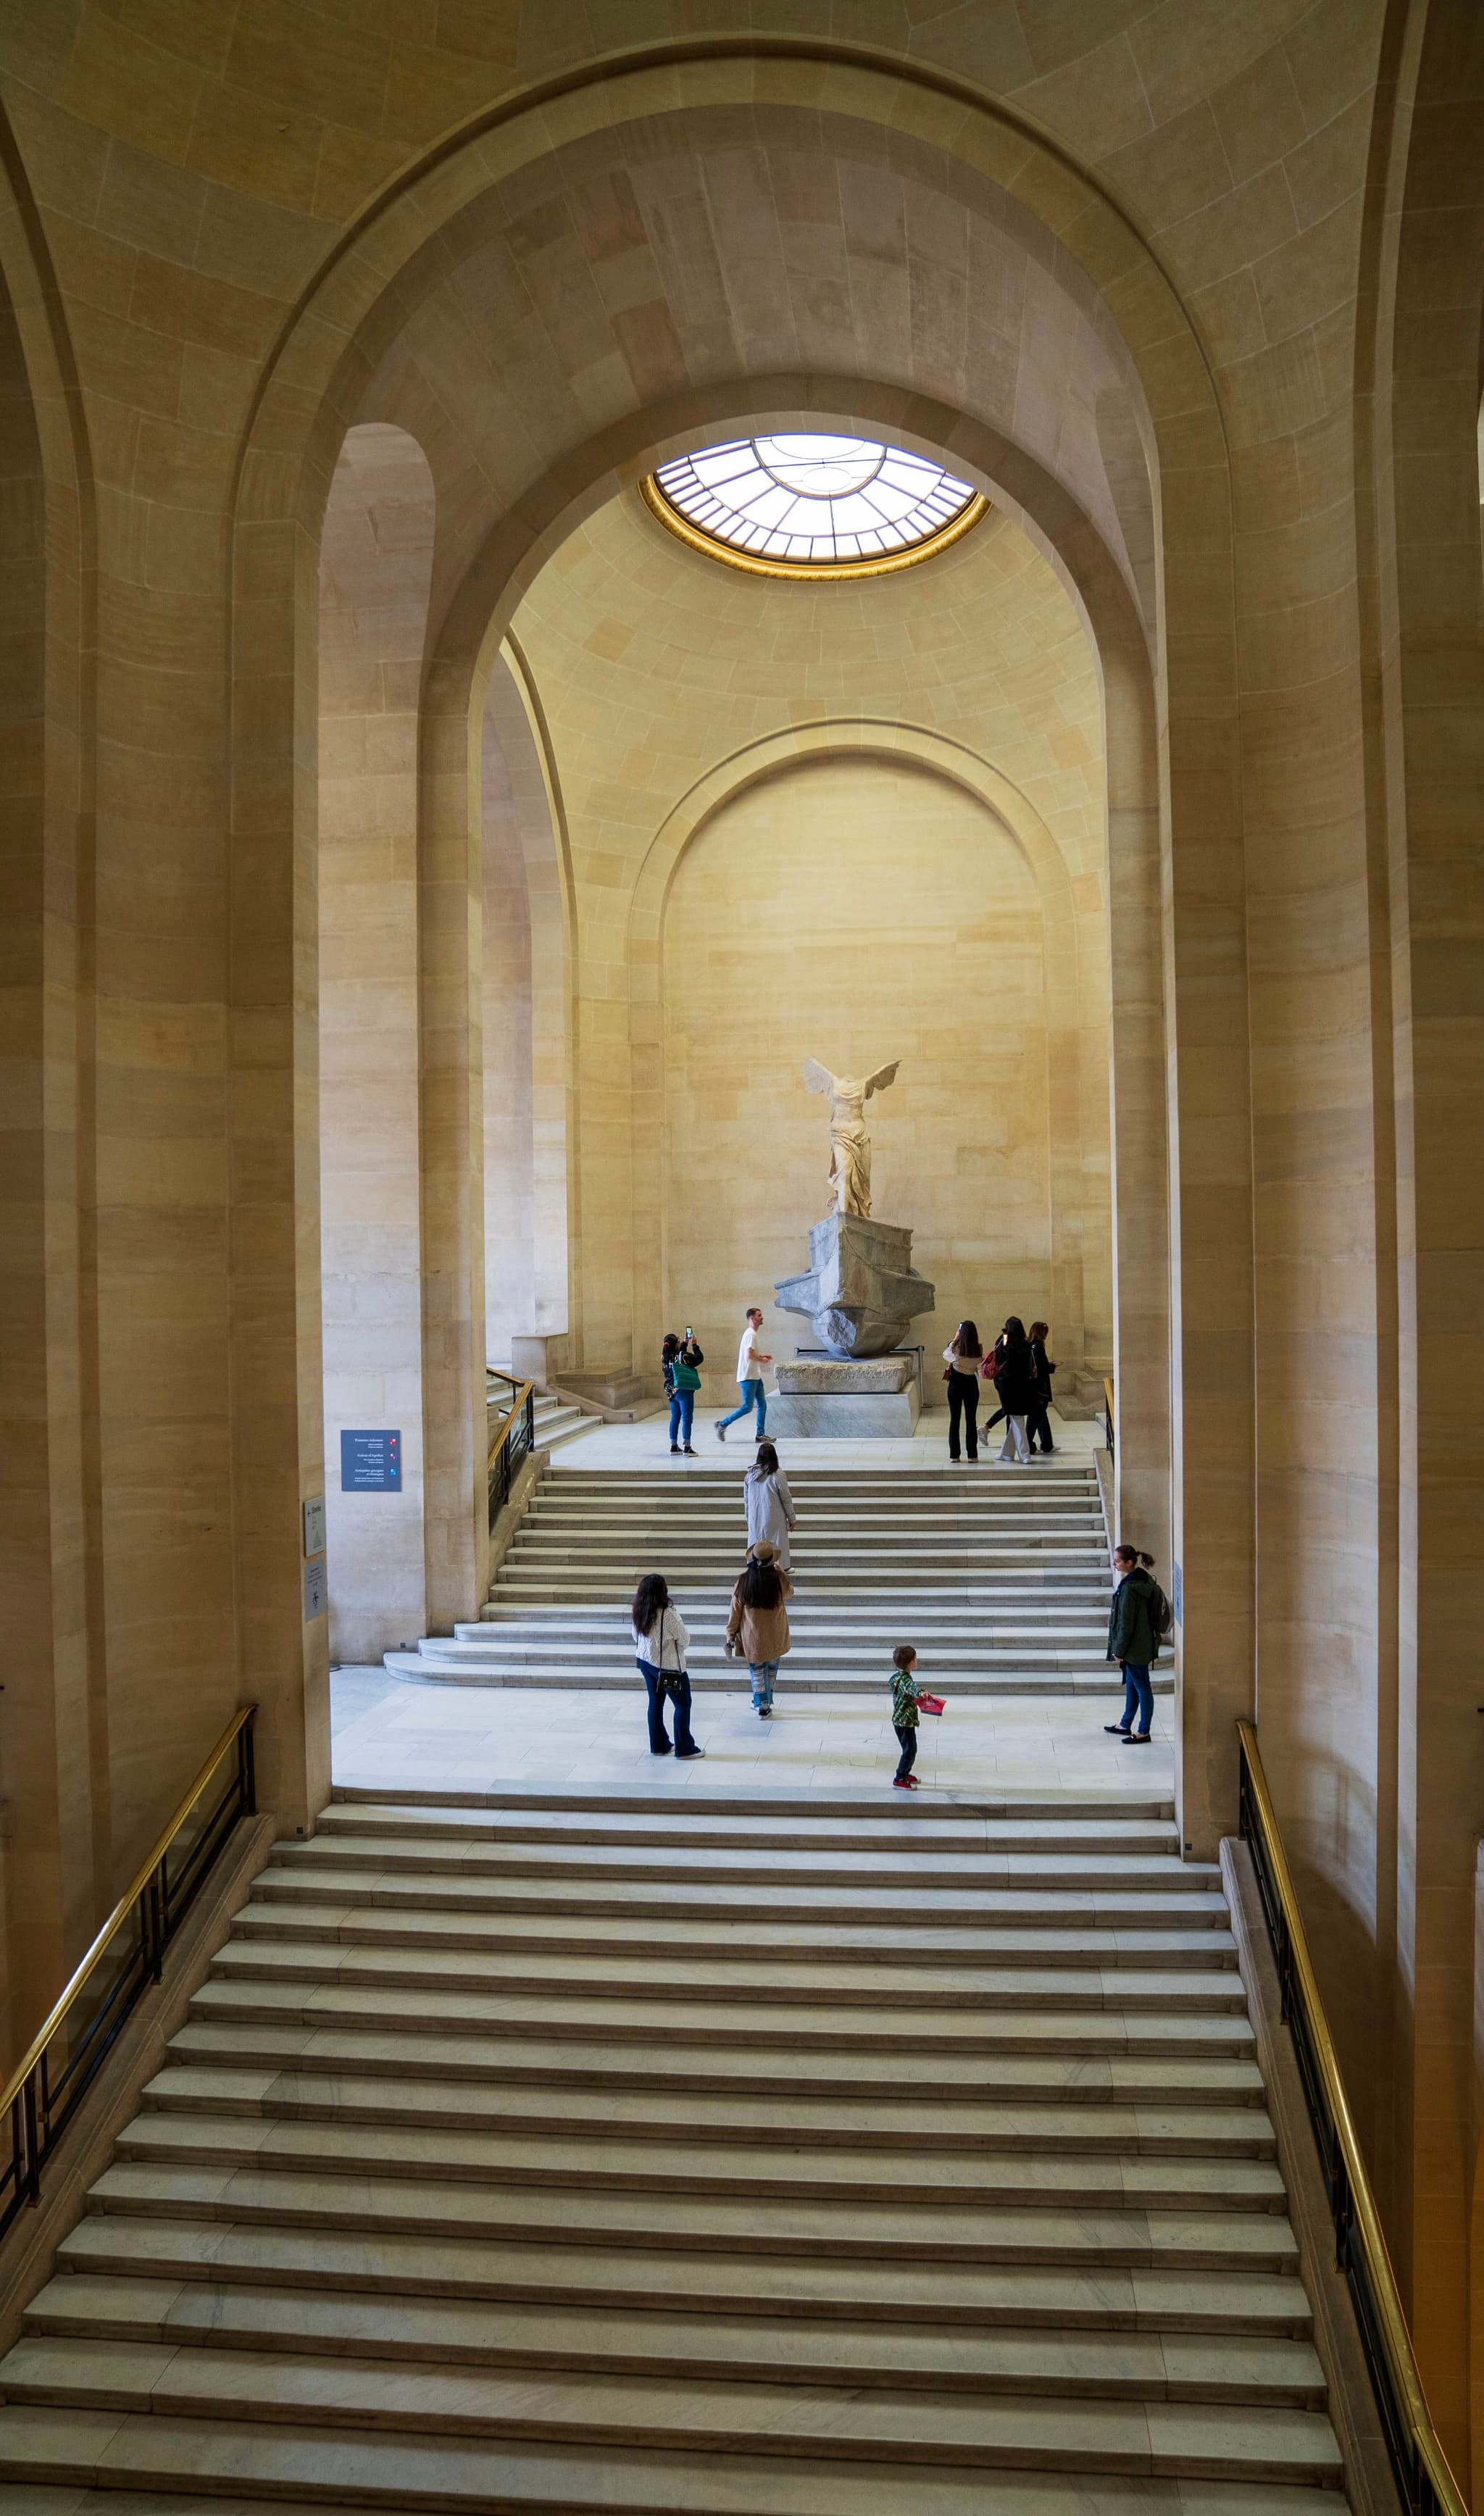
pixel 389 1735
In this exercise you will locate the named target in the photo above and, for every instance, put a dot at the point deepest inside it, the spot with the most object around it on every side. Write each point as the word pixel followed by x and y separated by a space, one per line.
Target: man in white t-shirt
pixel 751 1363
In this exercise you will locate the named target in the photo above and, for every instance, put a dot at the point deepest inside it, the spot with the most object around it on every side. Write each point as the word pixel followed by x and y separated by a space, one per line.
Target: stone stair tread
pixel 302 2467
pixel 424 1824
pixel 611 2062
pixel 1149 1862
pixel 272 1922
pixel 1064 2433
pixel 415 2267
pixel 573 2155
pixel 1112 1984
pixel 727 2346
pixel 786 2121
pixel 301 1886
pixel 888 1870
pixel 944 2033
pixel 885 2229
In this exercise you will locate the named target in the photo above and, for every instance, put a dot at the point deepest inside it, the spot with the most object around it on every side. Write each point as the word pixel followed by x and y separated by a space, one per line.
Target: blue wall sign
pixel 370 1463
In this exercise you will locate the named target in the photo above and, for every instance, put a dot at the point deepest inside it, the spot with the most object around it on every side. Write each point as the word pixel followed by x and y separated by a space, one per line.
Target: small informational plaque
pixel 1177 1600
pixel 370 1463
pixel 316 1591
pixel 313 1526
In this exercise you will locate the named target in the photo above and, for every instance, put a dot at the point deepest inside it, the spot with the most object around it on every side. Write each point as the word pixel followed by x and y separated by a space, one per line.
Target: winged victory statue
pixel 849 1142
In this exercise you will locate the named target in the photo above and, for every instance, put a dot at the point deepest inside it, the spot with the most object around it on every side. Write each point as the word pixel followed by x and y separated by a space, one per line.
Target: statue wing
pixel 883 1076
pixel 818 1077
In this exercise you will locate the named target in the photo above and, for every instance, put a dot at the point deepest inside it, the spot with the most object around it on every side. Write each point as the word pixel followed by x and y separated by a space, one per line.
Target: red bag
pixel 988 1369
pixel 930 1704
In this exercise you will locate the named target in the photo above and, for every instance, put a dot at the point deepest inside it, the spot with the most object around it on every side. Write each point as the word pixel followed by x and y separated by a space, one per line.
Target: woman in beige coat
pixel 758 1629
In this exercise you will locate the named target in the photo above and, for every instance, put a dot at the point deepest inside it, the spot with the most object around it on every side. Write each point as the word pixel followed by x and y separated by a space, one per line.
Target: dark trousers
pixel 682 1410
pixel 962 1401
pixel 678 1688
pixel 1038 1425
pixel 1138 1695
pixel 907 1740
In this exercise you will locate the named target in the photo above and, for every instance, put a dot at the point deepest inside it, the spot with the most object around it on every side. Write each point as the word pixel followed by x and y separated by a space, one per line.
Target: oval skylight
pixel 807 505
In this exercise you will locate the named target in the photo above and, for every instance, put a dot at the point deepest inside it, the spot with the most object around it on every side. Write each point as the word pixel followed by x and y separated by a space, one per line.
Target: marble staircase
pixel 1002 1580
pixel 747 2154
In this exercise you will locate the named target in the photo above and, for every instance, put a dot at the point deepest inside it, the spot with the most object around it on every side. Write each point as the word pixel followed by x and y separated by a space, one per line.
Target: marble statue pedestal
pixel 878 1398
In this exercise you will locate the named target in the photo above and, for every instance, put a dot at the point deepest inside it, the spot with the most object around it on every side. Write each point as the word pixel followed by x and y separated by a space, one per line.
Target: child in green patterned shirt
pixel 904 1716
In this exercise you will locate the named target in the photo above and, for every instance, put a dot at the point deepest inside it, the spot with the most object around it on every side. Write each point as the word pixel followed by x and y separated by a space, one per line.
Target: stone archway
pixel 354 355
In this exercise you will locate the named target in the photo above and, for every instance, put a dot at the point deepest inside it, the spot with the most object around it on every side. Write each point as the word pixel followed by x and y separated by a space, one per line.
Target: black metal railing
pixel 512 1446
pixel 63 2059
pixel 1426 2485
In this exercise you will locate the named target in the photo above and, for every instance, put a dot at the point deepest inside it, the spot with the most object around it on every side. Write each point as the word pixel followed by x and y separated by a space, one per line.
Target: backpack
pixel 1161 1615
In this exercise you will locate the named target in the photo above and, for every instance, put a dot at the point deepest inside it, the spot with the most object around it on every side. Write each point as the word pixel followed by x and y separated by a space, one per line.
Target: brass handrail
pixel 1108 1409
pixel 1421 2468
pixel 56 2071
pixel 130 1897
pixel 514 1441
pixel 522 1390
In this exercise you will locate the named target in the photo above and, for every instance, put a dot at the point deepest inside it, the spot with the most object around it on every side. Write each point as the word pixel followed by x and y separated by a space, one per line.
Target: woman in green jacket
pixel 1134 1640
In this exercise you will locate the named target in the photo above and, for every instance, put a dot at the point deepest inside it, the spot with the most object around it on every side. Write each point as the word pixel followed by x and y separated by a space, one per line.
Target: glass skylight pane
pixel 812 499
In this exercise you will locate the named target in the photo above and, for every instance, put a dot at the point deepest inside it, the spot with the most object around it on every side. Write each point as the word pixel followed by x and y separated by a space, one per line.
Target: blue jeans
pixel 682 1408
pixel 1138 1695
pixel 676 1686
pixel 764 1671
pixel 751 1396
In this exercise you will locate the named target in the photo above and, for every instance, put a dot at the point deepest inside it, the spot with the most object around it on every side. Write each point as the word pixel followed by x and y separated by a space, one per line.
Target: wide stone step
pixel 430 1664
pixel 488 1935
pixel 1062 2434
pixel 923 2229
pixel 1104 1828
pixel 1034 1650
pixel 137 2457
pixel 809 1622
pixel 774 1825
pixel 845 2289
pixel 611 2062
pixel 885 1873
pixel 289 1882
pixel 1052 1609
pixel 708 2117
pixel 625 2162
pixel 904 2030
pixel 582 2337
pixel 1146 1979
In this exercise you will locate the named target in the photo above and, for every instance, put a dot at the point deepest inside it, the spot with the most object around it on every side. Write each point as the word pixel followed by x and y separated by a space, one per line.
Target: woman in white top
pixel 661 1645
pixel 965 1360
pixel 771 1516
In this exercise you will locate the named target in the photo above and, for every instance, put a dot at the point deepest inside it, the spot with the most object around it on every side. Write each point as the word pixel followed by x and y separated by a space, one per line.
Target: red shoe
pixel 906 1782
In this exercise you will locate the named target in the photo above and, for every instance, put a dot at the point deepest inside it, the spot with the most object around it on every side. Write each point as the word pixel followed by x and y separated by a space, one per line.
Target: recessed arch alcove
pixel 774 938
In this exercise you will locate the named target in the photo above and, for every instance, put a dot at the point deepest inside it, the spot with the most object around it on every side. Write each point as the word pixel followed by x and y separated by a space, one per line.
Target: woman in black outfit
pixel 1038 1421
pixel 963 1359
pixel 1014 1388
